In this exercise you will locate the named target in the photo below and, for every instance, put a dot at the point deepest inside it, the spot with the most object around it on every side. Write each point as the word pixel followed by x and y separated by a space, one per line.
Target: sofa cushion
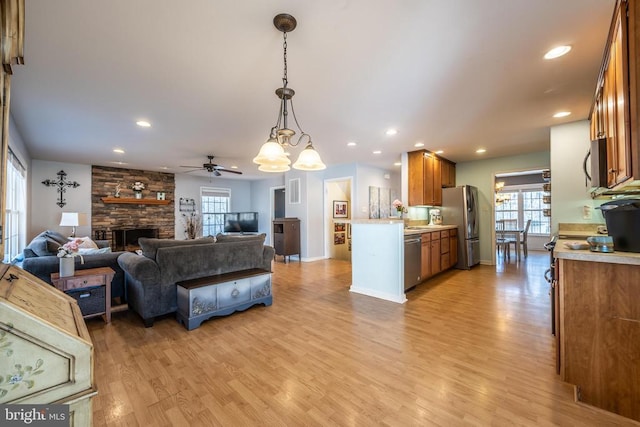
pixel 54 235
pixel 150 245
pixel 241 237
pixel 44 244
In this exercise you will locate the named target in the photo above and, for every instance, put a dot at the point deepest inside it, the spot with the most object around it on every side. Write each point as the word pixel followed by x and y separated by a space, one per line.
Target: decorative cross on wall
pixel 61 183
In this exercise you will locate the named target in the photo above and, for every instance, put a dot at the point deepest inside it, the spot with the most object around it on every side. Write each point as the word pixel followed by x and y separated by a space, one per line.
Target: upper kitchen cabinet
pixel 425 180
pixel 448 173
pixel 614 114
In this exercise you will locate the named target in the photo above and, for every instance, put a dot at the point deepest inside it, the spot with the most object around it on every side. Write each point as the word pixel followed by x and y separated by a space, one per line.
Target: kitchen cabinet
pixel 447 173
pixel 425 256
pixel 445 260
pixel 436 266
pixel 425 179
pixel 453 247
pixel 614 113
pixel 598 328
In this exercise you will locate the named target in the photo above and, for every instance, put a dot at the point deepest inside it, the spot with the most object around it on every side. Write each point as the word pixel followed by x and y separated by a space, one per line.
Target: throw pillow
pixel 54 235
pixel 87 243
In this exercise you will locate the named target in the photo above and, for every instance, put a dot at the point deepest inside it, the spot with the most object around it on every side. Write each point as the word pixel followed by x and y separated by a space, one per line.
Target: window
pixel 525 203
pixel 215 203
pixel 15 208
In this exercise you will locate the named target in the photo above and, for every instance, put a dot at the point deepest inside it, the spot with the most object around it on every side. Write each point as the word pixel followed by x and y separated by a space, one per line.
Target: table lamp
pixel 73 219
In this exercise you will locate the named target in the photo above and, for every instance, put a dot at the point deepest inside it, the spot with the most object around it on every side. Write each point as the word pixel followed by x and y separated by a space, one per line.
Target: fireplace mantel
pixel 133 201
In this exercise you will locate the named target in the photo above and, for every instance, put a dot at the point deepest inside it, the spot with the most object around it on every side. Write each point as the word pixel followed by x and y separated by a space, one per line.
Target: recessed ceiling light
pixel 120 163
pixel 118 150
pixel 391 131
pixel 481 150
pixel 397 164
pixel 351 144
pixel 234 167
pixel 562 114
pixel 143 124
pixel 377 152
pixel 557 52
pixel 439 152
pixel 419 144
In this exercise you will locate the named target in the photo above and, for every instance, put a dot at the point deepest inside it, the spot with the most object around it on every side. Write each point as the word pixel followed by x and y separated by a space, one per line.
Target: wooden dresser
pixel 46 353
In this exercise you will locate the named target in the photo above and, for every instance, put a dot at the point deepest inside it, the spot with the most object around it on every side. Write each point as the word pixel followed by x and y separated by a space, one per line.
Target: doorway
pixel 278 203
pixel 338 195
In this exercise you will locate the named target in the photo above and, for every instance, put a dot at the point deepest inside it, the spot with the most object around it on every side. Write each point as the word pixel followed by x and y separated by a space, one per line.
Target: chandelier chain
pixel 284 45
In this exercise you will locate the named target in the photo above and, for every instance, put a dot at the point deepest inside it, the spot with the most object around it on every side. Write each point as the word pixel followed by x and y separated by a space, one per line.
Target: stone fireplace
pixel 123 220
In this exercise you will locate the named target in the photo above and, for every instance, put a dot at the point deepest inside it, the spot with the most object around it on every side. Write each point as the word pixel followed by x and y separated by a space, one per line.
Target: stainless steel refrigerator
pixel 460 206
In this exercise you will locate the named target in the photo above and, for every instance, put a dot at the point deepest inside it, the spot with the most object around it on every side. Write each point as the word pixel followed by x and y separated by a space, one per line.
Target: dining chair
pixel 502 243
pixel 523 239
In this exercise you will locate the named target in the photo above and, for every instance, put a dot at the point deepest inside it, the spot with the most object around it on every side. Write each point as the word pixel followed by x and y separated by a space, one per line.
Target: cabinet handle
pixel 84 282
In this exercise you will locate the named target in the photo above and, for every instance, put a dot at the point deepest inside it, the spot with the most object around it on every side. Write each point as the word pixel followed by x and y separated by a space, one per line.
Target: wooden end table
pixel 89 279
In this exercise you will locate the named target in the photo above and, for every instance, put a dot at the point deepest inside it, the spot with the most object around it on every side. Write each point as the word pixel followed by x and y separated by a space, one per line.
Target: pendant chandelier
pixel 272 157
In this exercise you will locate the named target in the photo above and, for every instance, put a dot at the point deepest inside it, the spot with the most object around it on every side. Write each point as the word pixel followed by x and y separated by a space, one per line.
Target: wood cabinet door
pixel 425 259
pixel 621 98
pixel 416 178
pixel 435 255
pixel 453 250
pixel 437 182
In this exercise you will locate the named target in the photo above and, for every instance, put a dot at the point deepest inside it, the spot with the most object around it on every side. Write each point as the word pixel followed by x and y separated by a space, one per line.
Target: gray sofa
pixel 151 277
pixel 40 259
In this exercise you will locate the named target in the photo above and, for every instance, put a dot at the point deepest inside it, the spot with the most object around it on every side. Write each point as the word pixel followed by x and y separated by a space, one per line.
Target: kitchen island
pixel 378 255
pixel 598 327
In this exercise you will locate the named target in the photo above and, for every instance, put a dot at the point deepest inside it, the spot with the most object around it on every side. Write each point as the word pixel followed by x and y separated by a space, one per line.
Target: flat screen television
pixel 241 222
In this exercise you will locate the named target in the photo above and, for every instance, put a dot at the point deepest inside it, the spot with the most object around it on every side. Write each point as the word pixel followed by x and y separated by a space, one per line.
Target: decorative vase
pixel 67 266
pixel 138 194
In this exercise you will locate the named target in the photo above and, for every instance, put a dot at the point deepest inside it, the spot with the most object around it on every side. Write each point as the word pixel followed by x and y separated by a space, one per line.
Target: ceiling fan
pixel 211 168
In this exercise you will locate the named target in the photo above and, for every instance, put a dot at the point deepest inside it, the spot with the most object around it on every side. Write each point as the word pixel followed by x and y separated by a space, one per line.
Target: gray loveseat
pixel 151 277
pixel 40 259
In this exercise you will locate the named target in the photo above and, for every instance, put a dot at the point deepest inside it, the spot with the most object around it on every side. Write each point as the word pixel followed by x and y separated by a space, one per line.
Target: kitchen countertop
pixel 562 252
pixel 419 229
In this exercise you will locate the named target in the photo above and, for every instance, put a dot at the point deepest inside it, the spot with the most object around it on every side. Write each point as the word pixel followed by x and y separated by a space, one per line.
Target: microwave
pixel 597 173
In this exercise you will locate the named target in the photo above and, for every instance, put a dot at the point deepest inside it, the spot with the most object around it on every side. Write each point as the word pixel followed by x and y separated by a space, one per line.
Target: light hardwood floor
pixel 468 348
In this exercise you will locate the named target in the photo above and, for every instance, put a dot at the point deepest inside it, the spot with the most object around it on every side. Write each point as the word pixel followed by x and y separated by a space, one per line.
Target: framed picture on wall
pixel 339 226
pixel 338 239
pixel 340 208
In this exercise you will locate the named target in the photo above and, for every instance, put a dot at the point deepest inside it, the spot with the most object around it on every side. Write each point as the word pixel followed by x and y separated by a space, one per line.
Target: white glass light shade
pixel 309 160
pixel 273 168
pixel 272 153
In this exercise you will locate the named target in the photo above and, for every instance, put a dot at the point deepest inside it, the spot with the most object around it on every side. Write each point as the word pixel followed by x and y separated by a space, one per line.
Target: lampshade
pixel 273 168
pixel 73 219
pixel 309 160
pixel 272 154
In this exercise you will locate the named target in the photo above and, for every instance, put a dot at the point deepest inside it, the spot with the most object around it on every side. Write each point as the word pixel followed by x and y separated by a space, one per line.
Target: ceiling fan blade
pixel 193 170
pixel 216 173
pixel 230 171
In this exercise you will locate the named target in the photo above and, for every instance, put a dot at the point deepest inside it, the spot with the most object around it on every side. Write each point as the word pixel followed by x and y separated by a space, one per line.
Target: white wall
pixel 336 189
pixel 480 173
pixel 45 213
pixel 569 194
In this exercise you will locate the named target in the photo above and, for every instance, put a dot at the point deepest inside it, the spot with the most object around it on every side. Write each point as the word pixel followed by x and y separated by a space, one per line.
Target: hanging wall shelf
pixel 133 201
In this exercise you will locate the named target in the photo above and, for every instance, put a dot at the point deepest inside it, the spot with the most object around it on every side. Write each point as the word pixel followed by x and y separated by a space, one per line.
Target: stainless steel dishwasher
pixel 412 258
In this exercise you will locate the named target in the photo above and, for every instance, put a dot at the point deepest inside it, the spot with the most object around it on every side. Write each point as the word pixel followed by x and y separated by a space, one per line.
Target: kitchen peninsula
pixel 378 255
pixel 598 338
